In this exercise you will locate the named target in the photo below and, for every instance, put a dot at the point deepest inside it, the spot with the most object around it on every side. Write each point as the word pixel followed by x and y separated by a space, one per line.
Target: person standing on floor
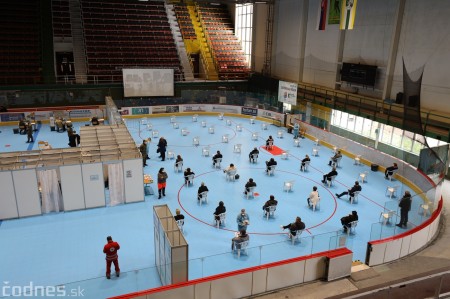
pixel 143 150
pixel 162 177
pixel 295 129
pixel 162 147
pixel 30 133
pixel 243 220
pixel 149 140
pixel 405 207
pixel 110 249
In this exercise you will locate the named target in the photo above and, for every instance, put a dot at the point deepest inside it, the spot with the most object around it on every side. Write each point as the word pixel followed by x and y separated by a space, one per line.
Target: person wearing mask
pixel 110 249
pixel 294 226
pixel 405 207
pixel 162 178
pixel 350 191
pixel 201 189
pixel 243 220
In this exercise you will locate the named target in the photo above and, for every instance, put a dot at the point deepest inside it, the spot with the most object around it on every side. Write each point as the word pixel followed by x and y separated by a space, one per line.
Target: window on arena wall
pixel 244 28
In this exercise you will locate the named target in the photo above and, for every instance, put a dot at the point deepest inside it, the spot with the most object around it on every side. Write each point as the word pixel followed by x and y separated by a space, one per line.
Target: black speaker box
pixel 399 98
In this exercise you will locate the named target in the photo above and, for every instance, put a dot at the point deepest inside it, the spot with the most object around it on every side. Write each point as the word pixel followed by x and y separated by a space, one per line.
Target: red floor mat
pixel 276 151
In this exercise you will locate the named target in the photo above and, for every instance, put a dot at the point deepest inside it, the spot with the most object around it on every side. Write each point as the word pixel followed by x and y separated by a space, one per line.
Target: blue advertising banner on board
pixel 11 116
pixel 249 111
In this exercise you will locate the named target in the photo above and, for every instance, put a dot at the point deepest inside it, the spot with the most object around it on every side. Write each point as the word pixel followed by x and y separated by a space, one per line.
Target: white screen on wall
pixel 287 92
pixel 148 82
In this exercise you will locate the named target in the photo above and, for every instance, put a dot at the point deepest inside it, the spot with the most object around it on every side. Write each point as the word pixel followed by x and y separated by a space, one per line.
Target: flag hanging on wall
pixel 348 12
pixel 334 14
pixel 322 18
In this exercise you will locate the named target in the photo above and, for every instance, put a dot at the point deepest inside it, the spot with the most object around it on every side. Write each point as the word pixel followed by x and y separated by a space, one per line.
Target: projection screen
pixel 148 82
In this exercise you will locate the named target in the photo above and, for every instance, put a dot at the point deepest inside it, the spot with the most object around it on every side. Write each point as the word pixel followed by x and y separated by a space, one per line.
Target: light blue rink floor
pixel 57 249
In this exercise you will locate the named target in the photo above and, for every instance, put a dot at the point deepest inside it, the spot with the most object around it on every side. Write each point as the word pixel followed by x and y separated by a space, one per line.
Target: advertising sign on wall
pixel 12 116
pixel 226 109
pixel 193 108
pixel 287 92
pixel 140 110
pixel 249 111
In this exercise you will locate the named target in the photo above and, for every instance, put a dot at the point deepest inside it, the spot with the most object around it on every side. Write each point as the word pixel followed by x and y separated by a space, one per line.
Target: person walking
pixel 162 177
pixel 110 249
pixel 405 207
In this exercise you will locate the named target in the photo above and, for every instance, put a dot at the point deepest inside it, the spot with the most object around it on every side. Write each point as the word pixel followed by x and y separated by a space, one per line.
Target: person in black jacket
pixel 201 189
pixel 390 171
pixel 187 173
pixel 162 145
pixel 405 207
pixel 219 210
pixel 346 220
pixel 271 202
pixel 218 155
pixel 306 159
pixel 350 191
pixel 249 184
pixel 295 226
pixel 328 176
pixel 270 163
pixel 255 152
pixel 74 139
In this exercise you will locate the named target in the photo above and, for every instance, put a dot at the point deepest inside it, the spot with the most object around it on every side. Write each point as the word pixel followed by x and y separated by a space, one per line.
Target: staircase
pixel 79 52
pixel 182 54
pixel 205 51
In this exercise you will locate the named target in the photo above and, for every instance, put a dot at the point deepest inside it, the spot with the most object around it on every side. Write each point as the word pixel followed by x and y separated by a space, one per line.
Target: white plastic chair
pixel 211 130
pixel 263 126
pixel 221 220
pixel 254 158
pixel 297 142
pixel 285 155
pixel 144 121
pixel 363 176
pixel 190 179
pixel 170 154
pixel 337 163
pixel 357 160
pixel 155 133
pixel 217 164
pixel 305 167
pixel 149 127
pixel 354 198
pixel 178 167
pixel 270 212
pixel 242 248
pixel 196 141
pixel 252 120
pixel 296 236
pixel 255 136
pixel 250 192
pixel 316 142
pixel 391 175
pixel 173 119
pixel 175 125
pixel 330 182
pixel 386 217
pixel 230 175
pixel 315 151
pixel 225 138
pixel 184 132
pixel 352 227
pixel 203 197
pixel 205 151
pixel 180 224
pixel 220 116
pixel 315 205
pixel 288 186
pixel 237 148
pixel 425 209
pixel 280 134
pixel 239 127
pixel 194 118
pixel 271 170
pixel 391 191
pixel 228 122
pixel 203 124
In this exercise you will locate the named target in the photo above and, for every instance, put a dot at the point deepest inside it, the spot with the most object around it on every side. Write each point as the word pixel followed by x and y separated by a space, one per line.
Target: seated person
pixel 350 191
pixel 201 189
pixel 269 142
pixel 230 168
pixel 328 176
pixel 187 173
pixel 336 156
pixel 178 215
pixel 69 131
pixel 94 121
pixel 218 155
pixel 390 170
pixel 295 226
pixel 74 139
pixel 255 152
pixel 241 237
pixel 302 166
pixel 345 221
pixel 59 125
pixel 22 126
pixel 313 197
pixel 271 202
pixel 249 184
pixel 179 161
pixel 270 163
pixel 46 145
pixel 219 210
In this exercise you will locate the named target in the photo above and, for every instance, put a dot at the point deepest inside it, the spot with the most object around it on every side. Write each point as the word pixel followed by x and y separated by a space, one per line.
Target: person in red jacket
pixel 110 250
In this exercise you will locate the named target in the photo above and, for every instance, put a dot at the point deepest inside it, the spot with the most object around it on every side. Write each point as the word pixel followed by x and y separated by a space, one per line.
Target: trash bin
pixel 374 167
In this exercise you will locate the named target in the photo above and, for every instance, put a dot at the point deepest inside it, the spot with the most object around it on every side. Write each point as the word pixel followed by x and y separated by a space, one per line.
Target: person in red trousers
pixel 110 250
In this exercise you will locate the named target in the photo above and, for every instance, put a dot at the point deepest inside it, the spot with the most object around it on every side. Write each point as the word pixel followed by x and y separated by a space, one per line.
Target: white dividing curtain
pixel 50 191
pixel 116 184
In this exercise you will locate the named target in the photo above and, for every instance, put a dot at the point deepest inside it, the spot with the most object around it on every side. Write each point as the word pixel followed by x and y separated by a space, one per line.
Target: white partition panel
pixel 242 287
pixel 406 241
pixel 285 275
pixel 315 268
pixel 27 192
pixel 8 199
pixel 134 180
pixel 202 290
pixel 186 292
pixel 93 185
pixel 393 249
pixel 419 239
pixel 259 283
pixel 71 186
pixel 377 254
